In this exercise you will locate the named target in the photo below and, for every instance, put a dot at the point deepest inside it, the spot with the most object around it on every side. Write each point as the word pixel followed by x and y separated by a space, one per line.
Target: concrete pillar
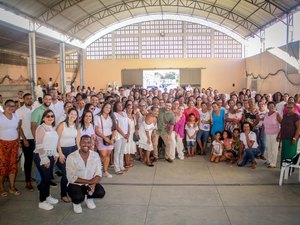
pixel 289 38
pixel 32 61
pixel 81 66
pixel 62 55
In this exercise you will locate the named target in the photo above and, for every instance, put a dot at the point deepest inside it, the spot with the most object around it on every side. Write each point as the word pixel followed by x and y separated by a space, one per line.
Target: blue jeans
pixel 249 155
pixel 62 166
pixel 261 141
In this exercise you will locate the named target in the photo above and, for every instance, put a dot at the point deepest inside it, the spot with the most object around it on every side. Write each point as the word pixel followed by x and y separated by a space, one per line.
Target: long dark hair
pixel 76 121
pixel 111 114
pixel 45 114
pixel 82 125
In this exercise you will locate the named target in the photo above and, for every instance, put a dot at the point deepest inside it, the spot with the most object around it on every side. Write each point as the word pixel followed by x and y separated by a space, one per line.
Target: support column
pixel 81 66
pixel 62 55
pixel 262 41
pixel 289 38
pixel 32 61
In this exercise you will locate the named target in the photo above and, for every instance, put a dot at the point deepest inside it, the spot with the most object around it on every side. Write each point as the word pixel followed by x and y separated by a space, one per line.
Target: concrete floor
pixel 192 191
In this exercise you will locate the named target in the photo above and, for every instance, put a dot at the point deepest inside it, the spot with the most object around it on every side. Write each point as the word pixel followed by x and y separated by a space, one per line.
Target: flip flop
pixel 4 194
pixel 15 192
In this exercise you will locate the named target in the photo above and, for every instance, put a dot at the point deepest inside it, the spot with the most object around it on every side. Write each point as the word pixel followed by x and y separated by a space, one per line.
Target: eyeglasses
pixel 92 108
pixel 12 106
pixel 289 107
pixel 50 116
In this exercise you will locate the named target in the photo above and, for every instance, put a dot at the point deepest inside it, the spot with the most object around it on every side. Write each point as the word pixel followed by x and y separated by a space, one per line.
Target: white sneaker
pixel 77 208
pixel 90 203
pixel 107 174
pixel 51 200
pixel 45 205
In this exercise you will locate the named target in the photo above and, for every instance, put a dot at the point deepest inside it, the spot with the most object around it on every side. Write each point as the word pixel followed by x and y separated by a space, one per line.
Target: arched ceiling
pixel 81 19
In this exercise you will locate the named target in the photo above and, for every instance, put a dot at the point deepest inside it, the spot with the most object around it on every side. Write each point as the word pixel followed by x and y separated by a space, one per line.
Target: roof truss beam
pixel 196 5
pixel 57 9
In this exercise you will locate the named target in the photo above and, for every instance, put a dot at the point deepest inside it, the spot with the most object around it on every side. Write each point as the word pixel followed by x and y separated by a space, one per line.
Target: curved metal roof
pixel 82 18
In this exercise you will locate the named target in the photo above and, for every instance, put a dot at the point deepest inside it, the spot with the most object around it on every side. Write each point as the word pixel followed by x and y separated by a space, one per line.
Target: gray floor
pixel 192 191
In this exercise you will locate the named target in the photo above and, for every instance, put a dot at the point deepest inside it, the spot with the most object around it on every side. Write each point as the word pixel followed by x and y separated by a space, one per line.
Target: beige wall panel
pixel 266 63
pixel 13 71
pixel 218 73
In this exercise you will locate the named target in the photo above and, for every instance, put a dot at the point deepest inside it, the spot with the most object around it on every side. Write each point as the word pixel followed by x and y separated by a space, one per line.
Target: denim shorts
pixel 190 143
pixel 203 135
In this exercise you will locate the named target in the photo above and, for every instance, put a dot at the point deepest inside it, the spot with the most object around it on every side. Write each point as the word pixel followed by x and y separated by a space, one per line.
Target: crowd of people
pixel 83 135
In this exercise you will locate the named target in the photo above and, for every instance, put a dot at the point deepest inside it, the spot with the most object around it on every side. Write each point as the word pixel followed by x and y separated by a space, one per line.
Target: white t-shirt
pixel 8 128
pixel 217 148
pixel 97 110
pixel 123 123
pixel 107 124
pixel 58 109
pixel 279 107
pixel 24 114
pixel 252 137
pixel 204 117
pixel 190 130
pixel 90 131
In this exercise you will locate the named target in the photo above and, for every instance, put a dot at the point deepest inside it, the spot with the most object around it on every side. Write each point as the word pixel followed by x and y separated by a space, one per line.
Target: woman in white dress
pixel 147 133
pixel 130 144
pixel 122 135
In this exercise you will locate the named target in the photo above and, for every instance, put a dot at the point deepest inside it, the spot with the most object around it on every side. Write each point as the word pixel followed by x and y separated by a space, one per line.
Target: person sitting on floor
pixel 84 172
pixel 249 140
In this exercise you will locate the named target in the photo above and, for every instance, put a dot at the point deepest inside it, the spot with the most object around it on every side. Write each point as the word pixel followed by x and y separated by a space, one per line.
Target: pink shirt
pixel 179 126
pixel 271 124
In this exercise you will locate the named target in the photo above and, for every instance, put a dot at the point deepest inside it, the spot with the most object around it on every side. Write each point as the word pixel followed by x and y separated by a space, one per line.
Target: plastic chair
pixel 286 168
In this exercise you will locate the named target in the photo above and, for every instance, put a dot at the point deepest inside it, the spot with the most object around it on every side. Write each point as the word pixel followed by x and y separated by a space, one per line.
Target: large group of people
pixel 84 135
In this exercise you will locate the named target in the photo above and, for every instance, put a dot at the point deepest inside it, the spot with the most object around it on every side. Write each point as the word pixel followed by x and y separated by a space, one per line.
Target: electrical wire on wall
pixel 271 75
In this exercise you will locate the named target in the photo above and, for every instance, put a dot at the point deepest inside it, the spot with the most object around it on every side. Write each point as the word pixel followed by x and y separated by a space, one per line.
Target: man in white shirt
pixel 95 102
pixel 27 142
pixel 56 106
pixel 84 172
pixel 251 149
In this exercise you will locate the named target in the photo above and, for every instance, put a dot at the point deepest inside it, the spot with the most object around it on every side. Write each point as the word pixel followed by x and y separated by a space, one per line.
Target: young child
pixel 191 129
pixel 227 142
pixel 216 148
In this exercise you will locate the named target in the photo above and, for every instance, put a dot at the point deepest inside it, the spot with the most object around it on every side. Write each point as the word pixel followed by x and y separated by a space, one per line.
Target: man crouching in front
pixel 84 172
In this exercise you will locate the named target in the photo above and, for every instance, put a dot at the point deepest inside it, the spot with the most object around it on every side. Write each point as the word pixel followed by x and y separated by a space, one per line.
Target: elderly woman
pixel 271 127
pixel 9 147
pixel 289 132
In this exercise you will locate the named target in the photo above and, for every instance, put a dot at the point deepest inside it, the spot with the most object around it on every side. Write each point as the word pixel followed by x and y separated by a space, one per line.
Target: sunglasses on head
pixel 50 116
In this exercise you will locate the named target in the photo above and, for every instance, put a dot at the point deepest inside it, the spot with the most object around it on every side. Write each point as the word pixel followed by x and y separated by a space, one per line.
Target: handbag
pixel 135 137
pixel 109 136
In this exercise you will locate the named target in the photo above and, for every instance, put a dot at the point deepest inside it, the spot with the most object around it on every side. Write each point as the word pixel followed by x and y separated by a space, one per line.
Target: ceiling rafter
pixel 267 6
pixel 202 6
pixel 57 9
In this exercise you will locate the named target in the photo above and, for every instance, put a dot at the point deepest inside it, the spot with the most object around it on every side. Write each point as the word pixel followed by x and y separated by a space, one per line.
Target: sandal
pixel 15 192
pixel 150 164
pixel 3 194
pixel 66 199
pixel 119 173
